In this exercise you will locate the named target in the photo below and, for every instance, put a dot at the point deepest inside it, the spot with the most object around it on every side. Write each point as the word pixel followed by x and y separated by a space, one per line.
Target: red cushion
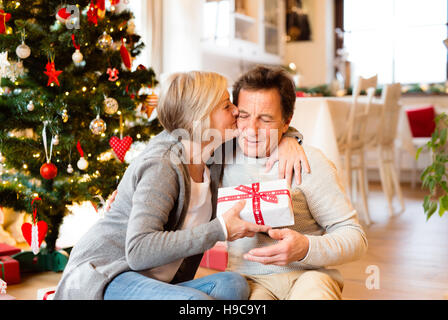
pixel 421 121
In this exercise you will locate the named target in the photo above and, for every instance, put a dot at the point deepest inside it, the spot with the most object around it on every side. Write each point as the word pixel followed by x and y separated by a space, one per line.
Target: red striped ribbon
pixel 45 297
pixel 254 193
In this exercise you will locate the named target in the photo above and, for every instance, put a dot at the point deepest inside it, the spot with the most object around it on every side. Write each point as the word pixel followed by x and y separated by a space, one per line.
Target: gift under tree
pixel 71 105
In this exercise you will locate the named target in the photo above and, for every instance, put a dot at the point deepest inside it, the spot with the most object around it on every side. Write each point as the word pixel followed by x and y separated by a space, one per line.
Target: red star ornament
pixel 4 17
pixel 52 73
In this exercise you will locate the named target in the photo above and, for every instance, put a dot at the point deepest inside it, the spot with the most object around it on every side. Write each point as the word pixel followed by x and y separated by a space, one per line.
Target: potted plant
pixel 435 176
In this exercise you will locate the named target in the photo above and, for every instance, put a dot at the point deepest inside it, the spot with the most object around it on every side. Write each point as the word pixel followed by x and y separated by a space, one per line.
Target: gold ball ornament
pixel 105 41
pixel 64 115
pixel 110 105
pixel 98 126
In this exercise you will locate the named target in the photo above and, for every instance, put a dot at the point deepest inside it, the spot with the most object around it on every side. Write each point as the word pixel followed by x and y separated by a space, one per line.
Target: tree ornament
pixel 151 103
pixel 82 163
pixel 52 73
pixel 92 14
pixel 34 233
pixel 30 106
pixel 113 74
pixel 98 126
pixel 23 51
pixel 77 56
pixel 131 27
pixel 4 17
pixel 63 15
pixel 56 140
pixel 4 64
pixel 101 8
pixel 64 115
pixel 105 41
pixel 118 6
pixel 110 105
pixel 2 158
pixel 125 55
pixel 69 169
pixel 121 145
pixel 48 170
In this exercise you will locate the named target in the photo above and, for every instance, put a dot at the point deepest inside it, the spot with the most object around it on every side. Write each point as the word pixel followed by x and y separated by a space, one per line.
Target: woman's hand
pixel 110 200
pixel 238 228
pixel 290 156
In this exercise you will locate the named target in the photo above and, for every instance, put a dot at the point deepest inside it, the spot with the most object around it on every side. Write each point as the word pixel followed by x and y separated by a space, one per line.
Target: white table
pixel 322 120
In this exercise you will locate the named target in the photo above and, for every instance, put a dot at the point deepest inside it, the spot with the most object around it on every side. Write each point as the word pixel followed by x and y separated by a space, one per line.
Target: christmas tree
pixel 71 104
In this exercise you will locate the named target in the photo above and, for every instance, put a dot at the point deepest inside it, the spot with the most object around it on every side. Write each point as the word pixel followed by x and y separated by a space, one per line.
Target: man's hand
pixel 238 228
pixel 292 246
pixel 290 156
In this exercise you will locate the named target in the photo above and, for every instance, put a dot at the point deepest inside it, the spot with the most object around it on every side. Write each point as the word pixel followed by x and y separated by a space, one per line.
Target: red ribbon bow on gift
pixel 254 193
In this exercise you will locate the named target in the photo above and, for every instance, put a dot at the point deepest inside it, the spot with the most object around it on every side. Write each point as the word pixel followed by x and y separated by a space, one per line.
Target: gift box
pixel 9 270
pixel 267 203
pixel 46 293
pixel 7 250
pixel 216 257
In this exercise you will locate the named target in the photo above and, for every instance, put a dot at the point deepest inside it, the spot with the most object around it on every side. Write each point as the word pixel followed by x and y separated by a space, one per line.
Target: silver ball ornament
pixel 30 106
pixel 23 51
pixel 98 126
pixel 82 164
pixel 69 169
pixel 77 57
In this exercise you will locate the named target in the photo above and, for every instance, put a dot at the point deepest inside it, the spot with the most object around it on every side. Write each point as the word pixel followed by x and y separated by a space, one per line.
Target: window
pixel 400 40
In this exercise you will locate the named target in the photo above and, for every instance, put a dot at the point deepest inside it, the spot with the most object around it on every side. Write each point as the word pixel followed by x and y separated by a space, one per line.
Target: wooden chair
pixel 385 145
pixel 352 144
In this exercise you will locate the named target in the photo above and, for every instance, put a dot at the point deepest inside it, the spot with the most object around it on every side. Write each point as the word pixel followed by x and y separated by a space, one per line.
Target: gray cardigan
pixel 136 234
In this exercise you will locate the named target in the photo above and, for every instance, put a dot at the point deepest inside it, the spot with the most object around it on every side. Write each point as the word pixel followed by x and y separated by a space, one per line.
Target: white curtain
pixel 148 22
pixel 154 26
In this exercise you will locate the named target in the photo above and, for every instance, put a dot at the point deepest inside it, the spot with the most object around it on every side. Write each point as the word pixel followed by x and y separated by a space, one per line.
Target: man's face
pixel 260 123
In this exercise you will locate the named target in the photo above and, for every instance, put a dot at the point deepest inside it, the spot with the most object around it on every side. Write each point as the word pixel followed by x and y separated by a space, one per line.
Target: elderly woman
pixel 151 241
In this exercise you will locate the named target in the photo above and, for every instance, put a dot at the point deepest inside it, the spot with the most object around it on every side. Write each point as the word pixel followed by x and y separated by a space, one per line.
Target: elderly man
pixel 288 263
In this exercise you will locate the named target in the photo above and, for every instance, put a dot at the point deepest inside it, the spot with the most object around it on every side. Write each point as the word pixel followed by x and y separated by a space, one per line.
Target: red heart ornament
pixel 42 228
pixel 120 147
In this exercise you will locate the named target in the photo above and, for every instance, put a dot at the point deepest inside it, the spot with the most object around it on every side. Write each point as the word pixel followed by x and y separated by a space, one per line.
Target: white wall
pixel 181 37
pixel 314 59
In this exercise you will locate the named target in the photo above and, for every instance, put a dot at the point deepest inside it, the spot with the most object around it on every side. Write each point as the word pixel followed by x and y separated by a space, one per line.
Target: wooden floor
pixel 410 254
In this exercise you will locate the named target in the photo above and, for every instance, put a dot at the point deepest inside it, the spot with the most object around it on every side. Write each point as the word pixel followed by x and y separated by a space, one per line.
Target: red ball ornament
pixel 48 171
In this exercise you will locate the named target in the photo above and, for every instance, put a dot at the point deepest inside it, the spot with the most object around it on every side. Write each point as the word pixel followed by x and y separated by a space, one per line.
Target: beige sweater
pixel 322 212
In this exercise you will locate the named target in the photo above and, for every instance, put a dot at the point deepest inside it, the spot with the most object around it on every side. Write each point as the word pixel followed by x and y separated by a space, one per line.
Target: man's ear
pixel 286 124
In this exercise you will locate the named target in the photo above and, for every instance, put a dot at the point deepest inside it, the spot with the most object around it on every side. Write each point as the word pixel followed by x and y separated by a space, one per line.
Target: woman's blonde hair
pixel 188 98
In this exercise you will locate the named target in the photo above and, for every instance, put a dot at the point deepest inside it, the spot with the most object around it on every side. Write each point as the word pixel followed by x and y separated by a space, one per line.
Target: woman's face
pixel 223 119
